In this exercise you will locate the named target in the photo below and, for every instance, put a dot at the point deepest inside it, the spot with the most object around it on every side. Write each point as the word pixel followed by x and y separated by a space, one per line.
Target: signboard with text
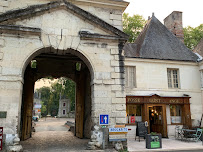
pixel 118 133
pixel 156 99
pixel 118 130
pixel 132 119
pixel 1 138
pixel 141 129
pixel 103 119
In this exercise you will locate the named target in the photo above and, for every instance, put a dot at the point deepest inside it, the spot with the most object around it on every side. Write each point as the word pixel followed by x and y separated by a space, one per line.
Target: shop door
pixel 157 119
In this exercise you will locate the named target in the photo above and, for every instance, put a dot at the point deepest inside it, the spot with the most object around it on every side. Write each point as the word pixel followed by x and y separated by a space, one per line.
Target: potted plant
pixel 153 140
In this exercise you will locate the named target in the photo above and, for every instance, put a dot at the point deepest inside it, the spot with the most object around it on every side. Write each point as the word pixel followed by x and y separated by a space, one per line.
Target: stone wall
pixel 108 11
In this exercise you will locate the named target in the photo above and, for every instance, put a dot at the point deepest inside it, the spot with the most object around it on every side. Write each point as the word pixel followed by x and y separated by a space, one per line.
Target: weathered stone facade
pixel 64 107
pixel 174 23
pixel 86 29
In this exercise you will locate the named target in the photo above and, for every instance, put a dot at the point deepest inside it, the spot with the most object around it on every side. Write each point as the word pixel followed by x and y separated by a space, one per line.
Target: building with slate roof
pixel 199 51
pixel 162 78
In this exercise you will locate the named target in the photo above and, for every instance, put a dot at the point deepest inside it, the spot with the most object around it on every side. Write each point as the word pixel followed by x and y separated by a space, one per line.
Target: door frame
pixel 165 133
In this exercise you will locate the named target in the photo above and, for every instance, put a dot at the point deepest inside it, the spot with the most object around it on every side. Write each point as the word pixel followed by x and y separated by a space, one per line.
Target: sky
pixel 192 9
pixel 44 83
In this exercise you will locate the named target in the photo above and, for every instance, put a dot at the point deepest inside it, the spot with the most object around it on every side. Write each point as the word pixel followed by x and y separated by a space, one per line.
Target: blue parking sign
pixel 103 119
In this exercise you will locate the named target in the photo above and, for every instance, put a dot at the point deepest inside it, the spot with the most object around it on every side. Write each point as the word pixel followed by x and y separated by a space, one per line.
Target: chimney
pixel 174 23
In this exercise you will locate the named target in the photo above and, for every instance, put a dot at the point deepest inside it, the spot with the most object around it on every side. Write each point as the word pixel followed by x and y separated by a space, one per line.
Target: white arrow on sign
pixel 105 119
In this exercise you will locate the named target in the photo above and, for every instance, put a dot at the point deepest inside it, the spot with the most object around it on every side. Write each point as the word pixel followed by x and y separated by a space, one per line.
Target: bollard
pixel 103 129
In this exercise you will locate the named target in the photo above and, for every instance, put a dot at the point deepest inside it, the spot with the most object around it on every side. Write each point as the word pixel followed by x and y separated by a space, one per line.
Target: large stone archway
pixel 55 65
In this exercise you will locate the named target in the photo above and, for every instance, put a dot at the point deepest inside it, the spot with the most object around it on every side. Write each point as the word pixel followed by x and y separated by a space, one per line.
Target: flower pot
pixel 153 141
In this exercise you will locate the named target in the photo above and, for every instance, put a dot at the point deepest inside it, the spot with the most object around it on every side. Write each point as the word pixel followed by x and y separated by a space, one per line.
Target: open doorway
pixel 157 119
pixel 63 67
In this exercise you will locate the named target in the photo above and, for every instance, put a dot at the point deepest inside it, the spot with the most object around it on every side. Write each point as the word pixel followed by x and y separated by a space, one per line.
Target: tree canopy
pixel 192 36
pixel 133 25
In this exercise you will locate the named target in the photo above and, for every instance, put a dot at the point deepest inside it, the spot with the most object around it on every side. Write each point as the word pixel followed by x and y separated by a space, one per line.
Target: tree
pixel 69 91
pixel 43 109
pixel 192 36
pixel 50 95
pixel 45 97
pixel 133 25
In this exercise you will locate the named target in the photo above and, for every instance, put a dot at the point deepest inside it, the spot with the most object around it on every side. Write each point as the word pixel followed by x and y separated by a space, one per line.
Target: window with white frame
pixel 173 78
pixel 130 77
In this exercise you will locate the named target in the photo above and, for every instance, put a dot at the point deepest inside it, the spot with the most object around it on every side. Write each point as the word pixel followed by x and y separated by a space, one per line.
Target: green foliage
pixel 192 36
pixel 133 25
pixel 153 133
pixel 124 150
pixel 78 66
pixel 45 95
pixel 34 64
pixel 43 109
pixel 50 96
pixel 70 92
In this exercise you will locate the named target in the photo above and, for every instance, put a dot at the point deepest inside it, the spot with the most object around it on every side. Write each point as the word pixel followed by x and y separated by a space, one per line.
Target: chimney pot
pixel 153 14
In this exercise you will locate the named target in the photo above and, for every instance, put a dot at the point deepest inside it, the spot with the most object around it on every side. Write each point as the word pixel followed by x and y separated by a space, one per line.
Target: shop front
pixel 158 111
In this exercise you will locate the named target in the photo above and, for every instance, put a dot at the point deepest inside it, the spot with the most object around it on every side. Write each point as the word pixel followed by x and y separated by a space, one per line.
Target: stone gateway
pixel 57 36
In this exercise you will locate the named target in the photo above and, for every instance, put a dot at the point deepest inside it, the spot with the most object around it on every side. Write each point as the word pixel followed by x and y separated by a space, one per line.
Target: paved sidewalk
pixel 167 145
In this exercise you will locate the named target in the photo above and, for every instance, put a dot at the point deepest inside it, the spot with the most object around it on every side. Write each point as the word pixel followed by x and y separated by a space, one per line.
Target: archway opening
pixel 72 65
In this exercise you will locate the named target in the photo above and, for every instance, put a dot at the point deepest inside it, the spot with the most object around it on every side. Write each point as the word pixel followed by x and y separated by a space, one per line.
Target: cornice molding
pixel 117 4
pixel 131 60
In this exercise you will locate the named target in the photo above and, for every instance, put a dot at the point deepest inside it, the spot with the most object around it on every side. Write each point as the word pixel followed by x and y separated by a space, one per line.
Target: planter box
pixel 153 141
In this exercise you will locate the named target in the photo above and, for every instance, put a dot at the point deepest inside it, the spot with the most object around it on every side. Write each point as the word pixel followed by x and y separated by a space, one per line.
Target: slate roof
pixel 35 10
pixel 199 48
pixel 157 42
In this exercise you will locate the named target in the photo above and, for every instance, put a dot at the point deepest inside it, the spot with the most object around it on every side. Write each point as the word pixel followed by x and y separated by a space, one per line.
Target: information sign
pixel 104 119
pixel 118 129
pixel 132 119
pixel 141 129
pixel 3 114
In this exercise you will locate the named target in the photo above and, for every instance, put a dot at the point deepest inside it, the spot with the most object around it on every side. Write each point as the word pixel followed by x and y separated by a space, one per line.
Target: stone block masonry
pixel 61 28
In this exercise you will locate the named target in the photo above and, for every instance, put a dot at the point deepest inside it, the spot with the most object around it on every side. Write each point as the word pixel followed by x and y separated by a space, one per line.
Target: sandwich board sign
pixel 103 119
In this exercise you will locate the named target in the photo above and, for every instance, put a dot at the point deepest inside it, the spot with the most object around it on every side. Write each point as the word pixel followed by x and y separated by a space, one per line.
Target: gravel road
pixel 53 136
